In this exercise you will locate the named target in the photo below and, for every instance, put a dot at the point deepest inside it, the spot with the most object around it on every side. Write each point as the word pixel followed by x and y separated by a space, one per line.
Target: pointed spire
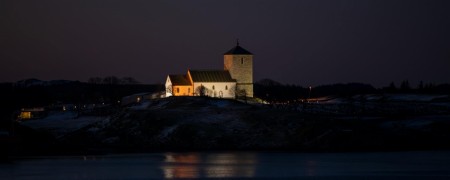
pixel 238 50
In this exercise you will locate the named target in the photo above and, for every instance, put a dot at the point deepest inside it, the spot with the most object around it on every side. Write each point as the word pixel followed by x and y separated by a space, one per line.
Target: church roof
pixel 238 50
pixel 179 80
pixel 211 76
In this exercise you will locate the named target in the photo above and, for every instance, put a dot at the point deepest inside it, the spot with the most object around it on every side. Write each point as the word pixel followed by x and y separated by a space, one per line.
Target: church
pixel 236 79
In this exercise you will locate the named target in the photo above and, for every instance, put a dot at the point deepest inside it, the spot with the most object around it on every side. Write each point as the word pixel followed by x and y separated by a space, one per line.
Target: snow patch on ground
pixel 378 97
pixel 222 103
pixel 334 101
pixel 111 140
pixel 414 97
pixel 167 131
pixel 62 123
pixel 416 122
pixel 140 106
pixel 158 105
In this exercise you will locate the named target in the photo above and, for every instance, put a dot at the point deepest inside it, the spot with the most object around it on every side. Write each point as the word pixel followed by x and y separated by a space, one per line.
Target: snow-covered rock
pixel 62 123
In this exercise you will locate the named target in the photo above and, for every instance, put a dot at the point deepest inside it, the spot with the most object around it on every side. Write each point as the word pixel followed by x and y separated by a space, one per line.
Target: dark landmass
pixel 340 117
pixel 198 123
pixel 36 93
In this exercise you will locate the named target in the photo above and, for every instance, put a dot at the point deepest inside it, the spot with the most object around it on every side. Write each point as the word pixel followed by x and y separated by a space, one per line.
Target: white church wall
pixel 216 89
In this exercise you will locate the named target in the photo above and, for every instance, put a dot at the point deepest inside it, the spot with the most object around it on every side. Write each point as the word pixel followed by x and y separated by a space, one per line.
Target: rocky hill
pixel 193 123
pixel 196 123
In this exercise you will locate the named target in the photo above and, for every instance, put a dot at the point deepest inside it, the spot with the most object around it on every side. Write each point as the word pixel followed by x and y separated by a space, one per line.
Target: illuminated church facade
pixel 236 79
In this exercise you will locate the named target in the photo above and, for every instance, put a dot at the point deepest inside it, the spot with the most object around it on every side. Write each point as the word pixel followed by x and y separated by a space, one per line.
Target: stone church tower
pixel 239 62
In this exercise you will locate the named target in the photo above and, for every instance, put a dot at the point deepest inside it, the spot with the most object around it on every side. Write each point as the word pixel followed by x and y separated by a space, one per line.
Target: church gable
pixel 178 85
pixel 179 80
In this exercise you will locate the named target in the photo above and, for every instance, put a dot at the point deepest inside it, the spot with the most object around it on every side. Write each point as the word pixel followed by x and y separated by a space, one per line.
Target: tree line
pixel 112 80
pixel 421 88
pixel 273 91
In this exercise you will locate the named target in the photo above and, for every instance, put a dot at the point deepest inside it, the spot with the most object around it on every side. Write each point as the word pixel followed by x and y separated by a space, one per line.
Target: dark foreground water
pixel 380 165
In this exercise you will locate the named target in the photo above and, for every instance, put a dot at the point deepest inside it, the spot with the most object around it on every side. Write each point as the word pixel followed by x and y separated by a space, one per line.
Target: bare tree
pixel 201 90
pixel 128 80
pixel 169 89
pixel 232 90
pixel 241 94
pixel 95 80
pixel 111 80
pixel 404 86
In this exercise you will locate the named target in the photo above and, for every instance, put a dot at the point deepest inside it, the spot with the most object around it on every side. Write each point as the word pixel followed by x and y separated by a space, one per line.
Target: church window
pixel 213 87
pixel 242 60
pixel 189 90
pixel 226 87
pixel 178 90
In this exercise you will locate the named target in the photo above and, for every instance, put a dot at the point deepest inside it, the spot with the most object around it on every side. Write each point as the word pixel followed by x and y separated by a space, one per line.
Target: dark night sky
pixel 304 42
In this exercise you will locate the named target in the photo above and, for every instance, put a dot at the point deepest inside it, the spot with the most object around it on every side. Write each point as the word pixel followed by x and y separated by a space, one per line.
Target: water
pixel 380 165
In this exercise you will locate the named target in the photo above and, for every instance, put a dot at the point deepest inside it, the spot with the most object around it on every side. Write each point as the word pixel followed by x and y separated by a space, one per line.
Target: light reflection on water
pixel 222 165
pixel 388 165
pixel 311 167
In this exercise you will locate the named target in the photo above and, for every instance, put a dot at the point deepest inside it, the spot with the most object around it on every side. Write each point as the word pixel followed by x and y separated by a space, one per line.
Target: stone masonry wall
pixel 241 69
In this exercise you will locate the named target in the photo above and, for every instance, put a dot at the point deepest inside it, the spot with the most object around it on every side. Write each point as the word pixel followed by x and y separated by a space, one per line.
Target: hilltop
pixel 200 123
